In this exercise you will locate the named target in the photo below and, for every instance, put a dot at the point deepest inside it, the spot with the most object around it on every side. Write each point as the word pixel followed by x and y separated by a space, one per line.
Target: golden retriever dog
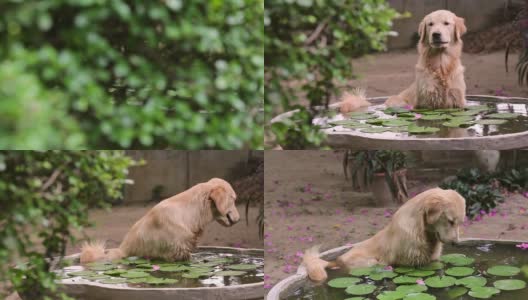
pixel 170 230
pixel 439 79
pixel 414 236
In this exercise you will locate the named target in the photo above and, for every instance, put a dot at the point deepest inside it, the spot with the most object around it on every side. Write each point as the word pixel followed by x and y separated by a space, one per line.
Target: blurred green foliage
pixel 131 74
pixel 44 197
pixel 308 47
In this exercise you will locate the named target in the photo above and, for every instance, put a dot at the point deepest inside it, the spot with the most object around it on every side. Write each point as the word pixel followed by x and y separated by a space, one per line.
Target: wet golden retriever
pixel 439 79
pixel 439 74
pixel 413 237
pixel 170 230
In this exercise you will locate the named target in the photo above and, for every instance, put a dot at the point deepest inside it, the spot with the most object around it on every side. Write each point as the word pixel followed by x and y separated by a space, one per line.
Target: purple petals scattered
pixel 523 246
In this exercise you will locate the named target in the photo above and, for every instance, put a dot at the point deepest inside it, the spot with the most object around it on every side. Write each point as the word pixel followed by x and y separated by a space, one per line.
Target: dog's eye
pixel 446 23
pixel 451 222
pixel 431 24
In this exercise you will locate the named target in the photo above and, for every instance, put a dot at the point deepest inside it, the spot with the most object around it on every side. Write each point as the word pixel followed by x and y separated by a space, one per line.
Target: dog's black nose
pixel 436 36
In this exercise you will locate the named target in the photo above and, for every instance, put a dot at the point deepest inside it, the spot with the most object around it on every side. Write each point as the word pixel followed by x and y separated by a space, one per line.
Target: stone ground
pixel 308 202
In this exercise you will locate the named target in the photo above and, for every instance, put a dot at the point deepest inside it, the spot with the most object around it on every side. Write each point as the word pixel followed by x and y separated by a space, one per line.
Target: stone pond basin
pixel 290 286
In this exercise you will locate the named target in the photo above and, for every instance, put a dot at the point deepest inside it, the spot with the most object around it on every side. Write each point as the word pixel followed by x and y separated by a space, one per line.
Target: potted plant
pixel 383 172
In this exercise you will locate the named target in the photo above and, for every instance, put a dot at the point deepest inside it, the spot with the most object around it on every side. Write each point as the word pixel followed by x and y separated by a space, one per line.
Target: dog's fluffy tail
pixel 353 100
pixel 95 251
pixel 315 266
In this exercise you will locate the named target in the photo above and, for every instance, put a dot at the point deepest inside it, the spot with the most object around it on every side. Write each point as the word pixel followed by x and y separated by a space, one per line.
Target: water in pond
pixel 206 269
pixel 485 256
pixel 480 118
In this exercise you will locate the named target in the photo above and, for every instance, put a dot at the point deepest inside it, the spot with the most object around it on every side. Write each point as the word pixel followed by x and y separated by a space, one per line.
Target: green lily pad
pixel 449 110
pixel 382 275
pixel 81 273
pixel 466 113
pixel 422 130
pixel 342 122
pixel 360 289
pixel 361 271
pixel 440 282
pixel 459 271
pixel 454 124
pixel 509 284
pixel 356 126
pixel 490 122
pixel 356 298
pixel 144 266
pixel 457 292
pixel 405 279
pixel 134 274
pixel 391 295
pixel 173 268
pixel 407 115
pixel 436 265
pixel 363 117
pixel 430 113
pixel 375 130
pixel 478 107
pixel 395 110
pixel 196 275
pixel 419 296
pixel 483 292
pixel 412 288
pixel 359 113
pixel 524 270
pixel 420 273
pixel 96 277
pixel 460 119
pixel 160 281
pixel 242 267
pixel 472 281
pixel 374 121
pixel 395 123
pixel 115 272
pixel 343 282
pixel 503 116
pixel 229 273
pixel 434 117
pixel 457 259
pixel 404 270
pixel 504 271
pixel 113 281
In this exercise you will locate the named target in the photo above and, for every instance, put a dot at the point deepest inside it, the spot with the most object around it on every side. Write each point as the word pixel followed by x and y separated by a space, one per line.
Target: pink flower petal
pixel 420 282
pixel 155 267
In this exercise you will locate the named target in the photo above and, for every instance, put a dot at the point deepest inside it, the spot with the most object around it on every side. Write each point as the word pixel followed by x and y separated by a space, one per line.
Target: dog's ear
pixel 422 31
pixel 460 27
pixel 433 210
pixel 219 195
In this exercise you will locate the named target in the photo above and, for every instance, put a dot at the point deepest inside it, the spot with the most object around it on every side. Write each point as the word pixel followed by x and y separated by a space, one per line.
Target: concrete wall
pixel 477 14
pixel 176 171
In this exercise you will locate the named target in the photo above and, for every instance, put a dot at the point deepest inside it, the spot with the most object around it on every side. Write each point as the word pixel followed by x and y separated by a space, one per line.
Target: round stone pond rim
pixel 362 141
pixel 297 280
pixel 235 292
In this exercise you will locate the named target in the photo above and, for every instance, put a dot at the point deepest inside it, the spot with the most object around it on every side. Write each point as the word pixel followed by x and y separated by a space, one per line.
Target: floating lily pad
pixel 407 115
pixel 478 107
pixel 459 271
pixel 173 268
pixel 504 271
pixel 405 279
pixel 356 126
pixel 395 123
pixel 460 119
pixel 466 113
pixel 374 121
pixel 360 289
pixel 342 122
pixel 524 270
pixel 81 273
pixel 343 282
pixel 436 265
pixel 404 270
pixel 413 288
pixel 242 267
pixel 503 116
pixel 363 117
pixel 420 273
pixel 361 271
pixel 419 296
pixel 440 282
pixel 375 130
pixel 382 275
pixel 359 113
pixel 449 110
pixel 391 295
pixel 356 298
pixel 483 292
pixel 113 281
pixel 144 266
pixel 490 122
pixel 160 281
pixel 134 274
pixel 430 113
pixel 229 273
pixel 195 275
pixel 434 117
pixel 454 124
pixel 395 110
pixel 96 277
pixel 509 284
pixel 115 272
pixel 472 281
pixel 457 259
pixel 457 292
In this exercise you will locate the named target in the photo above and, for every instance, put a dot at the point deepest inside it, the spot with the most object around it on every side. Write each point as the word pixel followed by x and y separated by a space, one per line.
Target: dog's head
pixel 440 29
pixel 223 196
pixel 444 211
